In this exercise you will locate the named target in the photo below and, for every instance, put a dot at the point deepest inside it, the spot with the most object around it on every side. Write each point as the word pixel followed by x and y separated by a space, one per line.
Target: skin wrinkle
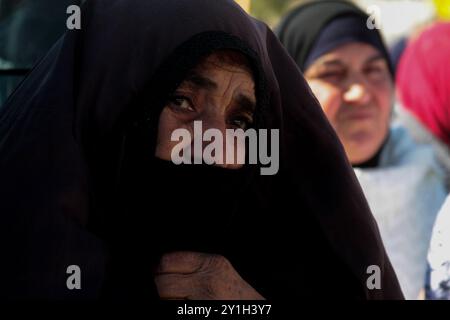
pixel 213 277
pixel 216 87
pixel 227 94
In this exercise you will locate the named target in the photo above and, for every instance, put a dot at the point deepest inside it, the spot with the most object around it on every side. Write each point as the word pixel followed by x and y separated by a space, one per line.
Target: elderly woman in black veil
pixel 87 177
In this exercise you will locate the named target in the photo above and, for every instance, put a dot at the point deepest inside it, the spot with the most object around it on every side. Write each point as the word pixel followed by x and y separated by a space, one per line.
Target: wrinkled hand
pixel 199 276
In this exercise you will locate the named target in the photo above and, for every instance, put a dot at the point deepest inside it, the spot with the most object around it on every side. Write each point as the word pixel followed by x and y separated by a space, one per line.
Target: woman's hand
pixel 199 276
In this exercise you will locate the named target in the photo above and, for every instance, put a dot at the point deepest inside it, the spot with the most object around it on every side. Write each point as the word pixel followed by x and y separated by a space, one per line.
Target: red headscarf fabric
pixel 423 79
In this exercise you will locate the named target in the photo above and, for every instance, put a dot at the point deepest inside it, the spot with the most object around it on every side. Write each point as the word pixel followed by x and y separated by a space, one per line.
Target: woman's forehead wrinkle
pixel 198 80
pixel 229 86
pixel 234 88
pixel 217 77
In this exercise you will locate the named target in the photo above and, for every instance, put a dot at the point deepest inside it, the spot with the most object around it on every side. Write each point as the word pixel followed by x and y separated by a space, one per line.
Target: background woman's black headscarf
pixel 302 29
pixel 70 138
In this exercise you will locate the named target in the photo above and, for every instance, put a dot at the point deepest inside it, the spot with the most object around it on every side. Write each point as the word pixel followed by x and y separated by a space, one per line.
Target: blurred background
pixel 398 17
pixel 28 28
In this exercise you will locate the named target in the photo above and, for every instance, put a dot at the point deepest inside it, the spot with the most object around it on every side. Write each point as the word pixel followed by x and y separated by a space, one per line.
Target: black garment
pixel 196 207
pixel 302 30
pixel 80 184
pixel 28 29
pixel 28 32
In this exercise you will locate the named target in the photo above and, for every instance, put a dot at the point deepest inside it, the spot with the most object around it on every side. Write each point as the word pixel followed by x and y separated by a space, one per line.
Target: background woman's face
pixel 354 87
pixel 217 92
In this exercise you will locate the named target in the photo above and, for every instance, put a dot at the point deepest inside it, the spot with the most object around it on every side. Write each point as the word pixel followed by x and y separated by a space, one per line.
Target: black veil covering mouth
pixel 63 146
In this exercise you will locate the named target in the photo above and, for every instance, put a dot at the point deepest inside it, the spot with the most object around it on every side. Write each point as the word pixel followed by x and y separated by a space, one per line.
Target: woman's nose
pixel 214 121
pixel 218 124
pixel 357 94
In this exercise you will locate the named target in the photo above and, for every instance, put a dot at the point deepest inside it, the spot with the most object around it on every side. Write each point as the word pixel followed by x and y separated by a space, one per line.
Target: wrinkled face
pixel 220 92
pixel 354 87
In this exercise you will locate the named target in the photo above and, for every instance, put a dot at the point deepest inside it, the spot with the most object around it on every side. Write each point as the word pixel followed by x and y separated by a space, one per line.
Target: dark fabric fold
pixel 76 143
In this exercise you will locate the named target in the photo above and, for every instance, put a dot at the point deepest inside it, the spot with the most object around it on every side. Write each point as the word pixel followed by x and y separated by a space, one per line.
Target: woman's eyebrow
pixel 200 81
pixel 331 62
pixel 374 58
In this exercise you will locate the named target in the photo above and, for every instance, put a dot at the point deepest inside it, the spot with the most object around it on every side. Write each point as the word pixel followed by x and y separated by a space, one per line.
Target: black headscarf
pixel 316 27
pixel 79 183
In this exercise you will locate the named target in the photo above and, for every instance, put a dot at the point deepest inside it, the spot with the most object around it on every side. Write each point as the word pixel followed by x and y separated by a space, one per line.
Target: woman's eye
pixel 332 75
pixel 181 103
pixel 242 123
pixel 376 72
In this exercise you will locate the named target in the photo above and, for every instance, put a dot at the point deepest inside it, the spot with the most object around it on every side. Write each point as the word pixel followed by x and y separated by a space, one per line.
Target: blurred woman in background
pixel 423 81
pixel 423 84
pixel 347 67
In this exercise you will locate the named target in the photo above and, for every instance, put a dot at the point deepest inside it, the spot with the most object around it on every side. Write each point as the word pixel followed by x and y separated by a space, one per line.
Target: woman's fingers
pixel 174 286
pixel 185 262
pixel 199 276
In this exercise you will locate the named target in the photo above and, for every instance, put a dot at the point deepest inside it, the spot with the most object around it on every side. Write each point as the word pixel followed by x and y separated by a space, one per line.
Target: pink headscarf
pixel 423 79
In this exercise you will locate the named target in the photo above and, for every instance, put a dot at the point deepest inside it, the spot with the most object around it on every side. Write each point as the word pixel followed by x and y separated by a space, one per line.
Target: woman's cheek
pixel 329 97
pixel 385 101
pixel 169 121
